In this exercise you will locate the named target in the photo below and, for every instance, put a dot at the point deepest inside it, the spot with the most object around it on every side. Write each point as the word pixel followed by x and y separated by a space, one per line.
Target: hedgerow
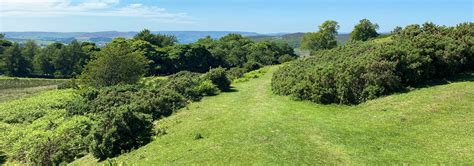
pixel 361 71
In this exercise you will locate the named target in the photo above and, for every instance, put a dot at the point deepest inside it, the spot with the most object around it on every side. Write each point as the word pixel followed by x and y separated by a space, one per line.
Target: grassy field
pixel 15 88
pixel 253 126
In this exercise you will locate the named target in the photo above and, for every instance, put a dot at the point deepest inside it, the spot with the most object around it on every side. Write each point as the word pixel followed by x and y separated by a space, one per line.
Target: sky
pixel 262 16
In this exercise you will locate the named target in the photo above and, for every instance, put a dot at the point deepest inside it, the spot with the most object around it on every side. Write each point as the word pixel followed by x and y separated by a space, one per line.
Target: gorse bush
pixel 120 130
pixel 124 113
pixel 219 78
pixel 360 71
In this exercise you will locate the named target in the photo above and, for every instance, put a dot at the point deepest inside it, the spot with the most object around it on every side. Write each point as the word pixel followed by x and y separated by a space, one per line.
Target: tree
pixel 78 57
pixel 4 44
pixel 325 38
pixel 262 53
pixel 192 57
pixel 63 62
pixel 30 49
pixel 115 64
pixel 15 63
pixel 364 31
pixel 157 40
pixel 43 62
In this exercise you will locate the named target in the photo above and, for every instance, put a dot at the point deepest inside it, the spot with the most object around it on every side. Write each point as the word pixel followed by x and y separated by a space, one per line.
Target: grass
pixel 12 88
pixel 253 126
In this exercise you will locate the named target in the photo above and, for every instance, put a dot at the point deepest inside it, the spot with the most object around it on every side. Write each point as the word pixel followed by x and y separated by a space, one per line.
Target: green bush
pixel 285 58
pixel 120 130
pixel 158 103
pixel 49 140
pixel 236 72
pixel 219 78
pixel 68 142
pixel 71 83
pixel 361 71
pixel 207 88
pixel 184 83
pixel 252 65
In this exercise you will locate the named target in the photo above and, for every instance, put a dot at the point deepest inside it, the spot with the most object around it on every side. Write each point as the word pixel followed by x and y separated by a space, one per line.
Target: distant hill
pixel 44 38
pixel 184 37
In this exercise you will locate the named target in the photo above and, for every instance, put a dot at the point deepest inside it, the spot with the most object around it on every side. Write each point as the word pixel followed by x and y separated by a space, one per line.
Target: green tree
pixel 262 53
pixel 63 62
pixel 4 44
pixel 192 57
pixel 116 64
pixel 30 49
pixel 325 38
pixel 364 31
pixel 43 62
pixel 78 57
pixel 15 63
pixel 157 40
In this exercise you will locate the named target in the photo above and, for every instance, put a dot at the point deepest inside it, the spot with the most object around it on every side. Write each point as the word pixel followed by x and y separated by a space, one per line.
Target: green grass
pixel 253 126
pixel 12 88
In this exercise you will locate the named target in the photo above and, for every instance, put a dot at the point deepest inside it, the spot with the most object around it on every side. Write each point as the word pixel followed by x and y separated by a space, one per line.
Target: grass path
pixel 252 125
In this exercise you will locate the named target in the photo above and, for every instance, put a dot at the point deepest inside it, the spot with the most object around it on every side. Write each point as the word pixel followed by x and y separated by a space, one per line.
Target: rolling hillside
pixel 253 126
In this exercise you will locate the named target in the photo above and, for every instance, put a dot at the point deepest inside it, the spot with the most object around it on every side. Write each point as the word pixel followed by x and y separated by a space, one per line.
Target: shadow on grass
pixel 230 90
pixel 463 77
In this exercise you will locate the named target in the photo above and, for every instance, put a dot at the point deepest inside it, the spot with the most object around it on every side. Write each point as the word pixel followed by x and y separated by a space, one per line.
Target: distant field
pixel 14 88
pixel 253 126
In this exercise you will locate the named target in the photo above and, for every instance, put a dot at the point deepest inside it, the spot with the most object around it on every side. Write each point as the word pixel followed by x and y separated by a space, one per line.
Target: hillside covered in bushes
pixel 360 71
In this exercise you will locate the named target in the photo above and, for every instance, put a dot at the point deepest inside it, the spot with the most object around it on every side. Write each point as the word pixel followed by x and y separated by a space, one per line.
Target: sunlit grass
pixel 253 126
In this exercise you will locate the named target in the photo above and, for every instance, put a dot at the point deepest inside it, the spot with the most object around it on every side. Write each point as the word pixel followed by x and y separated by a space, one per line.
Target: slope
pixel 252 125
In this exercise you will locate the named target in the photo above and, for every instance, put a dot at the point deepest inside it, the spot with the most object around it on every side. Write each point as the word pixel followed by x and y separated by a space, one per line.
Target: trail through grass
pixel 252 125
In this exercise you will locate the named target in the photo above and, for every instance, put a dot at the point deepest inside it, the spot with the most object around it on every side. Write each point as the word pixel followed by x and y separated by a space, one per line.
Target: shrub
pixel 158 103
pixel 219 78
pixel 361 71
pixel 285 58
pixel 67 143
pixel 236 72
pixel 92 100
pixel 251 66
pixel 207 88
pixel 69 84
pixel 184 83
pixel 120 130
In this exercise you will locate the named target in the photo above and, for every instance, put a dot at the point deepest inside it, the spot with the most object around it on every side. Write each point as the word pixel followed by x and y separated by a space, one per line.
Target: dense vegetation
pixel 360 71
pixel 163 55
pixel 430 125
pixel 113 107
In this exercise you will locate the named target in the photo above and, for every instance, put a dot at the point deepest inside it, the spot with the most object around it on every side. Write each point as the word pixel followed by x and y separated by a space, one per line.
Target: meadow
pixel 401 98
pixel 251 125
pixel 14 88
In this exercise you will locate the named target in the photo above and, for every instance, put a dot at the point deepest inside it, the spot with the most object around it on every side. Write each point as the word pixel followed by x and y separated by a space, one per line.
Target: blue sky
pixel 264 16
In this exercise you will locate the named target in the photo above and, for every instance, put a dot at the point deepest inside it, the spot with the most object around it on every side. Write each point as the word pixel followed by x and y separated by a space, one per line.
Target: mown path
pixel 252 125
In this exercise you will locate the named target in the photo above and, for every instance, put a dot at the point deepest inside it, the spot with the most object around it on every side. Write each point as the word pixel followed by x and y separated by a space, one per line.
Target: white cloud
pixel 105 8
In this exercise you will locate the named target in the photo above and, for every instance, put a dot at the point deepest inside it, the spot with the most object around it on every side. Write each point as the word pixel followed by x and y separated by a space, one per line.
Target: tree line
pixel 162 56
